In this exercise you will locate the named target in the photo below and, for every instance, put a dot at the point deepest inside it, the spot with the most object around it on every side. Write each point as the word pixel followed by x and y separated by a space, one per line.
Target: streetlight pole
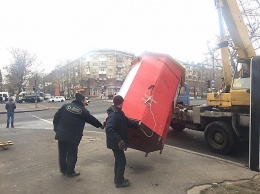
pixel 35 82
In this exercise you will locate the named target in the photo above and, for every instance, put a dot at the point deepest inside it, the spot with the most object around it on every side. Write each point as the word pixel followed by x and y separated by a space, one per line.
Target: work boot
pixel 125 180
pixel 73 174
pixel 124 184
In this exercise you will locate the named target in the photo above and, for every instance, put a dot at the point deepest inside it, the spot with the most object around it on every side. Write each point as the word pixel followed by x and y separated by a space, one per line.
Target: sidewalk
pixel 24 107
pixel 31 166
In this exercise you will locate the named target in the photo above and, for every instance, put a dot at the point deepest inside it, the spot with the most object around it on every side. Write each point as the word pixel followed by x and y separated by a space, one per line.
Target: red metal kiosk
pixel 150 91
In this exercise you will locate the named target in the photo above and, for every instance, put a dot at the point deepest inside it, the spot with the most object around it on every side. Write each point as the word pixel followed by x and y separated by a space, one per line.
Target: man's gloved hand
pixel 121 144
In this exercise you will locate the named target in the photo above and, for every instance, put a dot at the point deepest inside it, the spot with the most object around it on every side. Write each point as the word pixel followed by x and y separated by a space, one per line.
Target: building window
pixel 102 64
pixel 119 58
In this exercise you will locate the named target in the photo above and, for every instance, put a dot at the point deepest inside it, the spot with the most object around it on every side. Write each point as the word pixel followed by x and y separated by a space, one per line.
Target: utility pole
pixel 35 82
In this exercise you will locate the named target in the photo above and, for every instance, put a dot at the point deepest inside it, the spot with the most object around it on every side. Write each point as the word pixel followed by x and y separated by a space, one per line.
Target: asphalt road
pixel 188 139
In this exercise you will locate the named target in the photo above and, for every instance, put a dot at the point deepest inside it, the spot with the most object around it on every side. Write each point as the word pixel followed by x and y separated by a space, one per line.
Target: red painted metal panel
pixel 149 92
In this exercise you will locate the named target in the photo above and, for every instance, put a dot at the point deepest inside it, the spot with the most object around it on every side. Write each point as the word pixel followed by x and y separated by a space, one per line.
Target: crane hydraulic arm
pixel 237 28
pixel 236 92
pixel 238 31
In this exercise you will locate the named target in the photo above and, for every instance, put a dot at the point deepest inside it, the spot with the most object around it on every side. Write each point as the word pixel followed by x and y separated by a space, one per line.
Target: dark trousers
pixel 10 115
pixel 120 163
pixel 68 154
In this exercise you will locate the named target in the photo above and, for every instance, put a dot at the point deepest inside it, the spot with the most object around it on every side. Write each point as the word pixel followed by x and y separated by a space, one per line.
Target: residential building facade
pixel 97 73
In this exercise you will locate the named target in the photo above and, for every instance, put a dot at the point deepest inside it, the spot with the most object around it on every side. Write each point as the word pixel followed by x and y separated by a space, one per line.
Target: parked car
pixel 4 97
pixel 110 96
pixel 87 99
pixel 29 98
pixel 68 97
pixel 47 96
pixel 57 99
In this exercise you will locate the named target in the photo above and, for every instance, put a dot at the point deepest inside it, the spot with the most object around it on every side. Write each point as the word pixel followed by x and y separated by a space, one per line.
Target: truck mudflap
pixel 148 93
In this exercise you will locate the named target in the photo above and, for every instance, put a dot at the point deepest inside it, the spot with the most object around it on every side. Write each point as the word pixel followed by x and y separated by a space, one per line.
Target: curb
pixel 31 110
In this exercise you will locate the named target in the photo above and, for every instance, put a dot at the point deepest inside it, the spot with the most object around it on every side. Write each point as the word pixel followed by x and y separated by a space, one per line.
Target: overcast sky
pixel 57 30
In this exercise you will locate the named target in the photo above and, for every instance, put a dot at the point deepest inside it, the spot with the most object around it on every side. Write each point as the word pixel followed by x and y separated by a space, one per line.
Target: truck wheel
pixel 220 137
pixel 177 126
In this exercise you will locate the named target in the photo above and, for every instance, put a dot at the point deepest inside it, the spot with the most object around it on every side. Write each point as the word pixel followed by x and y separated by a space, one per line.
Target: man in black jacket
pixel 69 122
pixel 117 140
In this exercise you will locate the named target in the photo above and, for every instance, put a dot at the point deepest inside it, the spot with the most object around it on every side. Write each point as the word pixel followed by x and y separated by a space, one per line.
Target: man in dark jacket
pixel 117 140
pixel 69 122
pixel 10 106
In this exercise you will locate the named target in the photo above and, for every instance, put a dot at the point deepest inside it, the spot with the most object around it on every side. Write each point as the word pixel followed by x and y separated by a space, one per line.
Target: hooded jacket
pixel 69 122
pixel 116 127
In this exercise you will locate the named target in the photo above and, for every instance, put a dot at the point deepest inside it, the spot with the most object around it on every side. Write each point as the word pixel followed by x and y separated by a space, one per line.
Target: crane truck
pixel 226 117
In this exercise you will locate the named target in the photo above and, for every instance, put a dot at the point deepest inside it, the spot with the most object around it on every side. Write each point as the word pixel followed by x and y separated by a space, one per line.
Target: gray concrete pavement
pixel 31 166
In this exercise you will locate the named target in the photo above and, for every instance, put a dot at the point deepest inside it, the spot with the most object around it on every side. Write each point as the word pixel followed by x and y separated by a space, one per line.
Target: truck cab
pixel 184 96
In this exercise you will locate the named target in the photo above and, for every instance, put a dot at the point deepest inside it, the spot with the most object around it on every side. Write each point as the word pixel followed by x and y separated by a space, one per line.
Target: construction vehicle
pixel 226 117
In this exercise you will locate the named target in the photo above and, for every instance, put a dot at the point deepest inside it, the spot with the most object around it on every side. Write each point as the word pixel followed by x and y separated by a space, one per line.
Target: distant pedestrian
pixel 69 122
pixel 10 106
pixel 117 140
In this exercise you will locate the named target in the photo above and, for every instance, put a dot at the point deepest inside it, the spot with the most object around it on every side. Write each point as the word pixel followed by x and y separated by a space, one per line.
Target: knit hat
pixel 79 96
pixel 118 100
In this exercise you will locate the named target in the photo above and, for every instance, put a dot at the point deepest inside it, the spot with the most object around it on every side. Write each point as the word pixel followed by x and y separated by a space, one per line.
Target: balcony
pixel 119 79
pixel 102 59
pixel 102 79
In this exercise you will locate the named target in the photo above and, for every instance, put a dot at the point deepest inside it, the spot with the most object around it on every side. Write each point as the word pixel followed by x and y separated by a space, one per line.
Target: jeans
pixel 10 115
pixel 68 154
pixel 120 163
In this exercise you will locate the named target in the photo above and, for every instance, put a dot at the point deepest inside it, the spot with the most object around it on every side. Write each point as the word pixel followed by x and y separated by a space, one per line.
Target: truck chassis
pixel 222 129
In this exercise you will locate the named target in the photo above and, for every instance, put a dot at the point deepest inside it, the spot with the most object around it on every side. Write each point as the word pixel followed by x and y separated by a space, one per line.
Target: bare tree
pixel 250 10
pixel 251 14
pixel 19 71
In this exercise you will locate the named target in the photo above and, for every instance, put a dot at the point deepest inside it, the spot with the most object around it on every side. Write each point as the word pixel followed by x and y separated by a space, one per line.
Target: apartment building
pixel 96 73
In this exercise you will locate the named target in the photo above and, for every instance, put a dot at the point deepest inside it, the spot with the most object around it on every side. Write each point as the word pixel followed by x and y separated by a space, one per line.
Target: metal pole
pixel 36 91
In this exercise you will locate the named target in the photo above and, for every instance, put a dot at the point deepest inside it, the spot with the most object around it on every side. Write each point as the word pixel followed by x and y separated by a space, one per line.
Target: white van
pixel 4 96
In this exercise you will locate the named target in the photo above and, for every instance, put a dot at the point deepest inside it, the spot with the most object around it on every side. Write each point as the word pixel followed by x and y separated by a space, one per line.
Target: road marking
pixel 39 118
pixel 98 116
